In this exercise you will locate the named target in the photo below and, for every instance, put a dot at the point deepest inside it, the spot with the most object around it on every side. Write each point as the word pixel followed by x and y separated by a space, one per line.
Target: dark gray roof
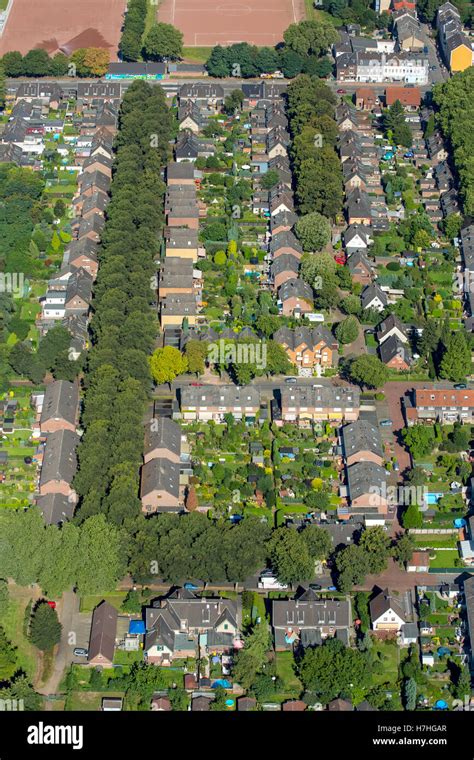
pixel 98 200
pixel 162 433
pixel 80 285
pixel 355 230
pixel 77 247
pixel 184 614
pixel 179 304
pixel 201 90
pixel 61 400
pixel 160 475
pixel 285 263
pixel 370 292
pixel 180 170
pixel 358 204
pixel 310 336
pixel 392 347
pixel 361 436
pixel 93 223
pixel 98 159
pixel 181 237
pixel 283 218
pixel 327 396
pixel 311 614
pixel 381 603
pixel 228 396
pixel 284 239
pixel 366 478
pixel 95 179
pixel 296 288
pixel 410 630
pixel 391 322
pixel 59 458
pixel 55 508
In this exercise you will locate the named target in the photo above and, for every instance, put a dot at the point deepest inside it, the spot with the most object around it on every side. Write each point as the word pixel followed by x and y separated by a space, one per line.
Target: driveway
pixel 394 393
pixel 67 608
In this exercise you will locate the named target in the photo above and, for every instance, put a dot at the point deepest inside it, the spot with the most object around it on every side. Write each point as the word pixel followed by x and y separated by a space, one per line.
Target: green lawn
pixel 151 15
pixel 90 601
pixel 29 311
pixel 196 54
pixel 12 622
pixel 127 658
pixel 292 686
pixel 435 540
pixel 390 661
pixel 445 558
pixel 88 701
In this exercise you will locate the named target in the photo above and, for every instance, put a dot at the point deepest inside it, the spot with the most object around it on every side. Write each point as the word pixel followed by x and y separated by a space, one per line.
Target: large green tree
pixel 368 370
pixel 313 231
pixel 163 42
pixel 45 628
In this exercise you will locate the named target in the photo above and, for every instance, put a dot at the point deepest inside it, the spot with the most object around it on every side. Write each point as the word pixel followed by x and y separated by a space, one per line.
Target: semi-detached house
pixel 306 403
pixel 183 625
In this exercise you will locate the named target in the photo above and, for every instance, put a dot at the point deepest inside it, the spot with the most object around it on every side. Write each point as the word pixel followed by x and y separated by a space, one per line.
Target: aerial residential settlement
pixel 236 388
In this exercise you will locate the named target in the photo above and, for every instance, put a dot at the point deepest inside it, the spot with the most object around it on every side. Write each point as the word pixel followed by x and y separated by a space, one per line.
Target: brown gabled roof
pixel 246 704
pixel 294 705
pixel 103 630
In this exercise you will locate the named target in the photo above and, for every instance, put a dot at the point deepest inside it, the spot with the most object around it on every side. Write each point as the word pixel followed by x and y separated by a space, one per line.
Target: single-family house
pixel 386 613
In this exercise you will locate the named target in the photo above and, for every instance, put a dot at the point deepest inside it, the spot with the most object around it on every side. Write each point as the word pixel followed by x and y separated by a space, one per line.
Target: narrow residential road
pixel 67 607
pixel 398 579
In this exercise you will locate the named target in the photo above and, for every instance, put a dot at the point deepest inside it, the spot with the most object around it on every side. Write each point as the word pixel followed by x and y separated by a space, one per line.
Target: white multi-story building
pixel 368 66
pixel 392 68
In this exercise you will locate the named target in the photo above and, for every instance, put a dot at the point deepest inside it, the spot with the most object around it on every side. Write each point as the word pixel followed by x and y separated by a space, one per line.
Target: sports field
pixel 63 25
pixel 205 23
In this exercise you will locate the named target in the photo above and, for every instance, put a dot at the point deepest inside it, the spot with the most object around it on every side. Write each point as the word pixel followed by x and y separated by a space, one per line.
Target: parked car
pixel 52 605
pixel 290 380
pixel 80 652
pixel 460 386
pixel 340 91
pixel 386 423
pixel 396 467
pixel 315 586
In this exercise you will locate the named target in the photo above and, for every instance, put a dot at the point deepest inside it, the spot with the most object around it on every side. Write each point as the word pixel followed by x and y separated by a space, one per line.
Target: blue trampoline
pixel 137 627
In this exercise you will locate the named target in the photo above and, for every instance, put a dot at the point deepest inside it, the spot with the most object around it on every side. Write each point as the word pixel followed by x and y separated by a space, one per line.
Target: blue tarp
pixel 137 627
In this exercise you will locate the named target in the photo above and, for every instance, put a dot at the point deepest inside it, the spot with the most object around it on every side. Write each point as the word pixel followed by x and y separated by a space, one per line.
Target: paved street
pixel 439 74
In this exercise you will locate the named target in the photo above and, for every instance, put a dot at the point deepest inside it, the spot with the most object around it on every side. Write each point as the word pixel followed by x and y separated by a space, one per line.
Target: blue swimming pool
pixel 432 498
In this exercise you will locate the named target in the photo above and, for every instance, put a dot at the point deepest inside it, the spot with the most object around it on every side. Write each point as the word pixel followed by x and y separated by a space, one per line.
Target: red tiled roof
pixel 408 96
pixel 446 397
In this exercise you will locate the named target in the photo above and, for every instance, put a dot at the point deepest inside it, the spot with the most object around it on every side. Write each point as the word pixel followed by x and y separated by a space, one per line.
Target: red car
pixel 340 259
pixel 196 385
pixel 341 92
pixel 52 605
